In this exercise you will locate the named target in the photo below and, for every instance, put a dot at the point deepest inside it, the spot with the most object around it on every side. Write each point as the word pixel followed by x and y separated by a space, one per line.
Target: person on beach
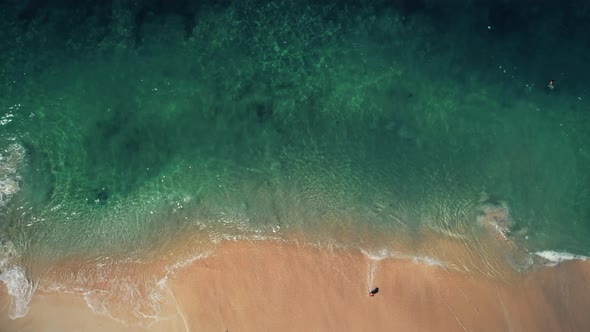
pixel 374 291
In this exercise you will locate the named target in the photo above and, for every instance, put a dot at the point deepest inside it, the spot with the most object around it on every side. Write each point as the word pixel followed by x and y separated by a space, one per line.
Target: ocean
pixel 140 133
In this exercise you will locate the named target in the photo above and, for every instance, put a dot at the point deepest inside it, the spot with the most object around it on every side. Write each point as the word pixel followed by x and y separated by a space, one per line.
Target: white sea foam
pixel 132 300
pixel 171 269
pixel 218 238
pixel 375 257
pixel 136 301
pixel 6 118
pixel 553 257
pixel 371 269
pixel 14 277
pixel 128 302
pixel 386 254
pixel 10 161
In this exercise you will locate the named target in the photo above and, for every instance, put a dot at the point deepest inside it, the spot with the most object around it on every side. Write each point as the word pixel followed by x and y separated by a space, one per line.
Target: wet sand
pixel 270 286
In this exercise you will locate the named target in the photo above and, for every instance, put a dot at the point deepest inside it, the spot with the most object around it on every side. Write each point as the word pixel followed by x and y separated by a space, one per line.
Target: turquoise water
pixel 333 122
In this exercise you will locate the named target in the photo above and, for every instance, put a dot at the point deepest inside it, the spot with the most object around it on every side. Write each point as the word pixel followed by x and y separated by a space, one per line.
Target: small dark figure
pixel 551 88
pixel 374 291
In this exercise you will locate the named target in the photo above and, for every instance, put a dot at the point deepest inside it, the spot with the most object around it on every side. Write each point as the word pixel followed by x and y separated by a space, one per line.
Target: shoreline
pixel 266 285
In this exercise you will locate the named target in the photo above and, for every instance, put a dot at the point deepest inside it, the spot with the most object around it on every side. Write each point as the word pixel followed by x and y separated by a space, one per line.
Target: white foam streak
pixel 6 118
pixel 180 264
pixel 386 254
pixel 10 161
pixel 144 301
pixel 553 257
pixel 125 299
pixel 372 268
pixel 14 277
pixel 20 289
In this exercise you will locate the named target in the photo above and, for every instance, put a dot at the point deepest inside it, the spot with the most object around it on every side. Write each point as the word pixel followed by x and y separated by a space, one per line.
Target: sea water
pixel 123 130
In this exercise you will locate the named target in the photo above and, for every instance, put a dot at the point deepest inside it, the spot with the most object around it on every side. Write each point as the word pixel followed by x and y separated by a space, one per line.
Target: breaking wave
pixel 10 160
pixel 14 277
pixel 12 273
pixel 553 258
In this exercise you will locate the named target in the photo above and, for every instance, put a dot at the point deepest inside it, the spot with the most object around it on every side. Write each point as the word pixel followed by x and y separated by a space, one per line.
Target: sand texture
pixel 268 286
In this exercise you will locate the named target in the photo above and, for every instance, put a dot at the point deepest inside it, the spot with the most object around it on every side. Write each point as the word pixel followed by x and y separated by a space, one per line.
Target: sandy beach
pixel 270 286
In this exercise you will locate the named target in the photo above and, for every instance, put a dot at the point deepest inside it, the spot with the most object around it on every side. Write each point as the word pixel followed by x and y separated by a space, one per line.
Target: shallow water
pixel 339 126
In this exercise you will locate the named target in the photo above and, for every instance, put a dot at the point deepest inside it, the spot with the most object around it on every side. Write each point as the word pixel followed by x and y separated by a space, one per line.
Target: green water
pixel 264 120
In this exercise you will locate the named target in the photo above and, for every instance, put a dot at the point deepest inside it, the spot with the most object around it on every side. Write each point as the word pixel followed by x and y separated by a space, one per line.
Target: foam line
pixel 555 257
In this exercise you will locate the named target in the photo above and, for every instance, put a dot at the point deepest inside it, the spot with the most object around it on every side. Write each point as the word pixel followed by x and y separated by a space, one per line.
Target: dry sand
pixel 270 286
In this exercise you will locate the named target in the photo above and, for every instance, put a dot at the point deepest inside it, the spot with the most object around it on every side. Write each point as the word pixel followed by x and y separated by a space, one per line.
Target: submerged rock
pixel 100 196
pixel 405 133
pixel 495 215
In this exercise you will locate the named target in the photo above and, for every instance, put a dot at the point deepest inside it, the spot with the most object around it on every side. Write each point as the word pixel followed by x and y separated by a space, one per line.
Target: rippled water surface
pixel 344 126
